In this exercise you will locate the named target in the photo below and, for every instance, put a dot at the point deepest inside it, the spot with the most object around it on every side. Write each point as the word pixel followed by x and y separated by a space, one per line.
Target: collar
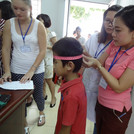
pixel 68 84
pixel 129 52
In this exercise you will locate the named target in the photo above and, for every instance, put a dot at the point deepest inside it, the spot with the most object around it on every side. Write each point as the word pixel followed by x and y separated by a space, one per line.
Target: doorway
pixel 88 16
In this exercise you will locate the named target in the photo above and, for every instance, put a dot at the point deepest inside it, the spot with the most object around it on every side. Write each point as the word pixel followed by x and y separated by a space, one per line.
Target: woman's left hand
pixel 88 61
pixel 27 77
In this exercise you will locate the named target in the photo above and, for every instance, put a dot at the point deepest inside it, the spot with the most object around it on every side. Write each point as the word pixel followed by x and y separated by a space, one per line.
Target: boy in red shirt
pixel 73 104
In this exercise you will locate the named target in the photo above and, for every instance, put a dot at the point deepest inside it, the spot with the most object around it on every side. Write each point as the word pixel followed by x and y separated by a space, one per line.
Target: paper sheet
pixel 16 85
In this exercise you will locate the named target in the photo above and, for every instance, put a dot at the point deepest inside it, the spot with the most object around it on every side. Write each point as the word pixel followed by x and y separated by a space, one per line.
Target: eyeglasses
pixel 109 21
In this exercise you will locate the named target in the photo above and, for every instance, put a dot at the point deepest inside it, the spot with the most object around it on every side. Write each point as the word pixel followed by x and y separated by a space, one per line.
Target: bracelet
pixel 99 67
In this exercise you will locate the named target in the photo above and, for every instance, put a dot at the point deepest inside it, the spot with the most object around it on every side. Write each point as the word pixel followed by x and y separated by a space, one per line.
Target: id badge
pixel 103 83
pixel 25 49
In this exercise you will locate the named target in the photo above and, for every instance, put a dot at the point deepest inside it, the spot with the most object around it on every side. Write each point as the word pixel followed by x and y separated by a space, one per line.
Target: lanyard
pixel 23 37
pixel 98 53
pixel 113 62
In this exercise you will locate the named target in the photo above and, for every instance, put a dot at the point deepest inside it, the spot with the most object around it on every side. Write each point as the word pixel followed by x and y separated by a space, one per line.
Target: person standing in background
pixel 95 47
pixel 88 36
pixel 82 42
pixel 51 39
pixel 74 33
pixel 29 48
pixel 79 37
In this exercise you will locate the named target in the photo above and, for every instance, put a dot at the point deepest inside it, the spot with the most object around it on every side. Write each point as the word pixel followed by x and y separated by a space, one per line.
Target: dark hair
pixel 69 47
pixel 74 32
pixel 127 16
pixel 103 34
pixel 6 10
pixel 78 28
pixel 46 19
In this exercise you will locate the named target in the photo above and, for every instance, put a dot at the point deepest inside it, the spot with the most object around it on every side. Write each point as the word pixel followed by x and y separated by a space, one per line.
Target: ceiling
pixel 98 1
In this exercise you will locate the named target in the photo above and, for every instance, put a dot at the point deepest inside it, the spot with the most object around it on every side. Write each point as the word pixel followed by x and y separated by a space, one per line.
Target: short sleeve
pixel 70 108
pixel 52 34
pixel 131 64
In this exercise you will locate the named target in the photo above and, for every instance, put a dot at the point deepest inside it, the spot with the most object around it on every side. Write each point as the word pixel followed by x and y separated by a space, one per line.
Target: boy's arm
pixel 65 130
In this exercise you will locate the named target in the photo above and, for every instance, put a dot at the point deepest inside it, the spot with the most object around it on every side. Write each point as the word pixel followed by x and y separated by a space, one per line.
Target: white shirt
pixel 21 62
pixel 82 40
pixel 49 53
pixel 91 77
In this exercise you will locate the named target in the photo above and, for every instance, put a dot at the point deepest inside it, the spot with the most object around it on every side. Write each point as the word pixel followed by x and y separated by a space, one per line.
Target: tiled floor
pixel 51 116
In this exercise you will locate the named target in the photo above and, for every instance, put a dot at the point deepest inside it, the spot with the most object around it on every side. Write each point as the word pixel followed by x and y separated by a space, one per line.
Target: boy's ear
pixel 70 66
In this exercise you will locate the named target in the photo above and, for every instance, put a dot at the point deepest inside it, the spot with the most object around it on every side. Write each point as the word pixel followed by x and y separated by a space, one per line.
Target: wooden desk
pixel 12 115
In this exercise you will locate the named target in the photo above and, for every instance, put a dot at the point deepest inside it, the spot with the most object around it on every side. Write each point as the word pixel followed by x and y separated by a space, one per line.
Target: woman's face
pixel 21 9
pixel 122 35
pixel 58 67
pixel 108 22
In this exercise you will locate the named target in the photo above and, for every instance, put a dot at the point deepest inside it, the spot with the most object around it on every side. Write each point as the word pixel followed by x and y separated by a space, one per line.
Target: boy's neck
pixel 71 76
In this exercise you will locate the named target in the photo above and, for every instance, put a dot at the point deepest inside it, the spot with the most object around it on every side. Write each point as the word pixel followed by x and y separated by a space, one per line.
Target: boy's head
pixel 69 51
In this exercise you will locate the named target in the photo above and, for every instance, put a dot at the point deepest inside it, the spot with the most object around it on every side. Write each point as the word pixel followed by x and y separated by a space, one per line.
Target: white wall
pixel 55 9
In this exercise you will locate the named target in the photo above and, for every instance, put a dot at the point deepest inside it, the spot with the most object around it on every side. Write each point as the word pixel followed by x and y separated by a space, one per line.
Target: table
pixel 13 114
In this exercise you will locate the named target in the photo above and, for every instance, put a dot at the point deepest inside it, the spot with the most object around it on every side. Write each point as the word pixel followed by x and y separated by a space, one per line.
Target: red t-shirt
pixel 73 106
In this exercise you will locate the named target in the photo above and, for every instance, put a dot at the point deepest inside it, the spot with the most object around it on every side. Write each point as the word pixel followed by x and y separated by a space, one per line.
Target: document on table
pixel 16 85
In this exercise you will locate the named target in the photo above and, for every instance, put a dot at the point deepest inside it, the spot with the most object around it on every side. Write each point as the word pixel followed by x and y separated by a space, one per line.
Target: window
pixel 36 8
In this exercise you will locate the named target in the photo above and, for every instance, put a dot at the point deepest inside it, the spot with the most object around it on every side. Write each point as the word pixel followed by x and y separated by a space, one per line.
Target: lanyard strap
pixel 98 53
pixel 23 37
pixel 113 62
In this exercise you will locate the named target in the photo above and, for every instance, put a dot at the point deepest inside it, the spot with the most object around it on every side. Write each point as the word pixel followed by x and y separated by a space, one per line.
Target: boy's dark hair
pixel 46 19
pixel 103 34
pixel 127 16
pixel 6 10
pixel 68 47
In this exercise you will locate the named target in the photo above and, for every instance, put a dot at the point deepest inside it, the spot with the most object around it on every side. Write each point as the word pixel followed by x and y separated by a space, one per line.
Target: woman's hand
pixel 49 47
pixel 27 77
pixel 88 61
pixel 6 77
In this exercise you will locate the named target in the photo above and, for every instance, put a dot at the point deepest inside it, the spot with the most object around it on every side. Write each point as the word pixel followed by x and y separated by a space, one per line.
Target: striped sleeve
pixel 2 21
